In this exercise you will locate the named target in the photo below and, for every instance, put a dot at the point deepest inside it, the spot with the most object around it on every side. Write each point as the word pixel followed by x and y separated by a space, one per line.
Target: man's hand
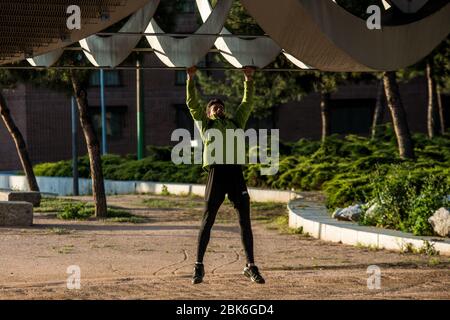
pixel 191 72
pixel 248 73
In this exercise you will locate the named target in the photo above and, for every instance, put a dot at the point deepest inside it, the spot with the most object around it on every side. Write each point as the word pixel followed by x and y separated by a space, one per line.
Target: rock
pixel 372 212
pixel 440 221
pixel 21 196
pixel 16 214
pixel 336 213
pixel 351 213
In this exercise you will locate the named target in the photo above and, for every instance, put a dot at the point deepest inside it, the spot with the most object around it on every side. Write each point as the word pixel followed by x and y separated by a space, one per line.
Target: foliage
pixel 69 209
pixel 358 7
pixel 239 21
pixel 83 211
pixel 405 199
pixel 77 211
pixel 156 167
pixel 274 88
pixel 57 79
pixel 345 168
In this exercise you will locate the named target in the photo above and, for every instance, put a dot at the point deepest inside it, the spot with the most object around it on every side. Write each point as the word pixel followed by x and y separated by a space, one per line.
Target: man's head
pixel 215 109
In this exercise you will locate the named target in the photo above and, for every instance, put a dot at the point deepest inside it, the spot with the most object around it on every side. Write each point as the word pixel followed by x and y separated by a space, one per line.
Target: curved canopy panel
pixel 295 61
pixel 258 52
pixel 409 6
pixel 324 35
pixel 110 51
pixel 29 27
pixel 188 51
pixel 46 59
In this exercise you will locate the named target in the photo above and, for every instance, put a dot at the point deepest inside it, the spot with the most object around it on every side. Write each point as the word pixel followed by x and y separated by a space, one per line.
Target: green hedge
pixel 344 168
pixel 156 167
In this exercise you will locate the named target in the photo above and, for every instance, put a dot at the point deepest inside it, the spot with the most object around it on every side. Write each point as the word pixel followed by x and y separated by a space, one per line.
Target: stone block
pixel 16 214
pixel 21 196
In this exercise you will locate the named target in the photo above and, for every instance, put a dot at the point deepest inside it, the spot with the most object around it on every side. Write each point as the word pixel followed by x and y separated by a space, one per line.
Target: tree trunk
pixel 432 113
pixel 93 146
pixel 441 111
pixel 21 146
pixel 379 111
pixel 398 114
pixel 325 114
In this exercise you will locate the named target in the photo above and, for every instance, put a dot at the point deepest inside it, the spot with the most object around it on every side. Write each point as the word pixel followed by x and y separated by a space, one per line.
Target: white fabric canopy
pixel 322 34
pixel 47 59
pixel 240 52
pixel 409 6
pixel 110 51
pixel 28 33
pixel 188 51
pixel 316 33
pixel 295 61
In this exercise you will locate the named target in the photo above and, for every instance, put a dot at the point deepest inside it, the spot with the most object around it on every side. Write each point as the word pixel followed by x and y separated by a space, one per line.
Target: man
pixel 223 178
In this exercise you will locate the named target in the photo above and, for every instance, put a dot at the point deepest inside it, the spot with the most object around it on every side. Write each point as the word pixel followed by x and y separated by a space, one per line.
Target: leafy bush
pixel 405 199
pixel 346 189
pixel 84 211
pixel 77 211
pixel 343 167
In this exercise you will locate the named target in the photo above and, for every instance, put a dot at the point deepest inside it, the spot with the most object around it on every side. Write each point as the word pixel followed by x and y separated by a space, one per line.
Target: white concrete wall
pixel 64 187
pixel 316 222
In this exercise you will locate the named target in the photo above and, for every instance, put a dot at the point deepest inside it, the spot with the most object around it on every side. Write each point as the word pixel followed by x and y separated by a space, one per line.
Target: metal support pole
pixel 76 189
pixel 103 110
pixel 140 112
pixel 2 67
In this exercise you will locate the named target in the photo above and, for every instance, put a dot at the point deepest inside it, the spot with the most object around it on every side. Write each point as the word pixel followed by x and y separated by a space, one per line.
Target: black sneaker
pixel 199 273
pixel 253 273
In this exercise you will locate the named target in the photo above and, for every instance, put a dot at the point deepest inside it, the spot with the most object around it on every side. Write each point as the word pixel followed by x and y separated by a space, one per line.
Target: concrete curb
pixel 315 220
pixel 16 214
pixel 64 187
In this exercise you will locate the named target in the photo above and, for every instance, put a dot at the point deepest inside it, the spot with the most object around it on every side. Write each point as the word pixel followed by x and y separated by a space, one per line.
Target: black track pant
pixel 222 180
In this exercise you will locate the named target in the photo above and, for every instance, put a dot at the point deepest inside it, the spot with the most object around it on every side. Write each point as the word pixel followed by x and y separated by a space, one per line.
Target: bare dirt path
pixel 154 260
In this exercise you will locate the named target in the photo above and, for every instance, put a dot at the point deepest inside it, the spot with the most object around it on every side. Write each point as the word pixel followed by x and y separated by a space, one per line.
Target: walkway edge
pixel 64 187
pixel 315 221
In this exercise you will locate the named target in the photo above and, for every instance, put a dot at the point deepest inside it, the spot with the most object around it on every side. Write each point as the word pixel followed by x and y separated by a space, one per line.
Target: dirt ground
pixel 154 260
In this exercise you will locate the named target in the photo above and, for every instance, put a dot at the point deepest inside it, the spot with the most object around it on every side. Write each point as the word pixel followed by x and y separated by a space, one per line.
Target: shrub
pixel 84 211
pixel 304 147
pixel 406 198
pixel 346 189
pixel 432 196
pixel 346 169
pixel 77 211
pixel 159 153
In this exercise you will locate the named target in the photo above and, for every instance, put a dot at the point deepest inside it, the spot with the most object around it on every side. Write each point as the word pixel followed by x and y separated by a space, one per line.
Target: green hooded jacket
pixel 237 121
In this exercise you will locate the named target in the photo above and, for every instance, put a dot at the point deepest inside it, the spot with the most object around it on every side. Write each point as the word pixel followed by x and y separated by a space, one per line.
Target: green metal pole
pixel 140 111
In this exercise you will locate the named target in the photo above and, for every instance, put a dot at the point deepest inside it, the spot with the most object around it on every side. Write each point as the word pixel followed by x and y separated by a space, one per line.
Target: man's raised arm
pixel 198 113
pixel 245 108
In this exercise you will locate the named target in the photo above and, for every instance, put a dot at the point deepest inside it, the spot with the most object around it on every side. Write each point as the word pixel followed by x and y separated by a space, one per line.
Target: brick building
pixel 44 116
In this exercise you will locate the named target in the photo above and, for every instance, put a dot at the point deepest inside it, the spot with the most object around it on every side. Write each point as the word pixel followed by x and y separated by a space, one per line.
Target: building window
pixel 115 121
pixel 204 62
pixel 446 109
pixel 112 78
pixel 180 78
pixel 187 6
pixel 184 119
pixel 261 123
pixel 351 116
